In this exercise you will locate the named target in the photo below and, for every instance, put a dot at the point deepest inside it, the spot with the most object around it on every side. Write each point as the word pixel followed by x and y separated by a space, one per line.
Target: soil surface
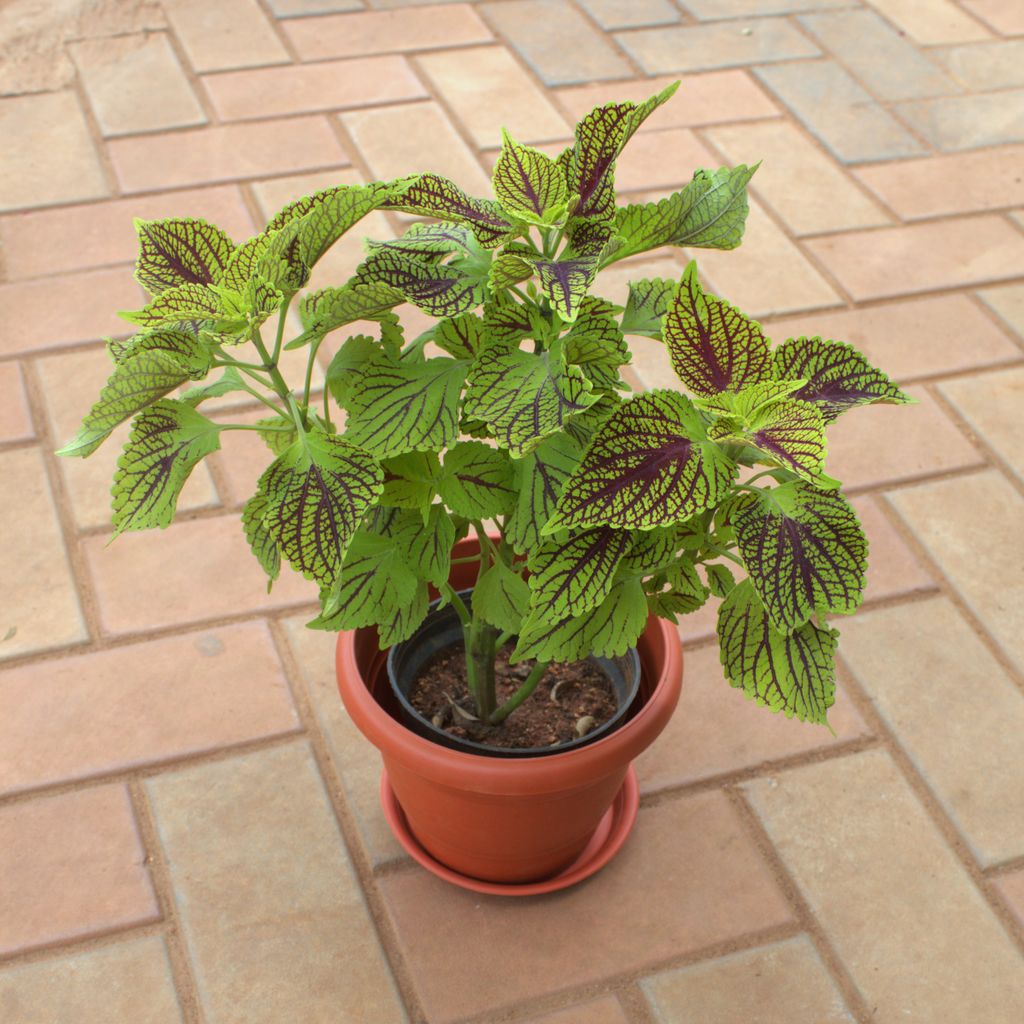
pixel 583 689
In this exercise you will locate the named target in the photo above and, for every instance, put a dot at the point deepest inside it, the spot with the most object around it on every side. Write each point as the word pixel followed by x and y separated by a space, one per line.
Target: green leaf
pixel 281 260
pixel 804 550
pixel 647 107
pixel 529 185
pixel 318 490
pixel 330 308
pixel 572 576
pixel 404 619
pixel 837 377
pixel 566 282
pixel 461 336
pixel 506 321
pixel 279 433
pixel 424 541
pixel 477 481
pixel 508 269
pixel 426 240
pixel 647 304
pixel 348 364
pixel 227 383
pixel 260 539
pixel 792 673
pixel 650 551
pixel 539 478
pixel 410 480
pixel 720 579
pixel 180 343
pixel 166 442
pixel 339 209
pixel 650 464
pixel 677 591
pixel 599 139
pixel 402 407
pixel 183 302
pixel 501 597
pixel 440 289
pixel 596 344
pixel 180 250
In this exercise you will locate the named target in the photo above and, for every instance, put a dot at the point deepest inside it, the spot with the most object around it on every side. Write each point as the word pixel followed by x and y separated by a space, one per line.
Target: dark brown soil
pixel 583 689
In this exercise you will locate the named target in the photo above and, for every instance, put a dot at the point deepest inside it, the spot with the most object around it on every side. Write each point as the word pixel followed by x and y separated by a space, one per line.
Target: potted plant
pixel 502 534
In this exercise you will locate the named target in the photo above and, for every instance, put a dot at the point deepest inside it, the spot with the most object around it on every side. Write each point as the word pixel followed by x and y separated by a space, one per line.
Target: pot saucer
pixel 611 833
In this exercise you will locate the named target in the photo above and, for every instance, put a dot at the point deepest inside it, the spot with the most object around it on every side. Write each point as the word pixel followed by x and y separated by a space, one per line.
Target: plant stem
pixel 282 316
pixel 456 602
pixel 263 429
pixel 517 698
pixel 503 639
pixel 480 650
pixel 266 401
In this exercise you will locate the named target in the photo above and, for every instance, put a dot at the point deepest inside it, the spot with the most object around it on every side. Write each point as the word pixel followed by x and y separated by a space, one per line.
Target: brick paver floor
pixel 189 828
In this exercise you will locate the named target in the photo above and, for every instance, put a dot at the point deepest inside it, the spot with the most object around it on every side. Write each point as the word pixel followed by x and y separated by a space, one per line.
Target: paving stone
pixel 920 257
pixel 893 569
pixel 1005 16
pixel 613 282
pixel 362 34
pixel 40 611
pixel 953 709
pixel 15 419
pixel 991 405
pixel 396 141
pixel 777 984
pixel 832 106
pixel 135 84
pixel 716 729
pixel 270 907
pixel 601 1011
pixel 709 97
pixel 883 444
pixel 227 34
pixel 301 8
pixel 958 183
pixel 971 527
pixel 694 847
pixel 48 156
pixel 720 45
pixel 141 704
pixel 205 569
pixel 70 866
pixel 130 981
pixel 662 160
pixel 1018 217
pixel 968 122
pixel 36 242
pixel 713 10
pixel 72 383
pixel 355 761
pixel 201 155
pixel 487 91
pixel 297 89
pixel 984 66
pixel 804 187
pixel 913 337
pixel 931 22
pixel 612 14
pixel 889 893
pixel 1008 304
pixel 559 44
pixel 1011 887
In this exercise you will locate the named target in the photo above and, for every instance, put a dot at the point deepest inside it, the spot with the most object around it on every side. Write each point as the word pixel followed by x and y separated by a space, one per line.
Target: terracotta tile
pixel 487 91
pixel 971 527
pixel 355 761
pixel 933 22
pixel 202 155
pixel 35 242
pixel 967 122
pixel 129 981
pixel 991 404
pixel 920 257
pixel 272 912
pixel 403 140
pixel 15 419
pixel 1008 304
pixel 72 382
pixel 1011 887
pixel 227 34
pixel 601 1011
pixel 777 984
pixel 985 66
pixel 804 187
pixel 662 160
pixel 40 609
pixel 911 338
pixel 694 847
pixel 205 569
pixel 358 35
pixel 141 704
pixel 716 729
pixel 893 569
pixel 612 14
pixel 48 156
pixel 1005 16
pixel 613 282
pixel 91 879
pixel 298 89
pixel 889 893
pixel 301 8
pixel 709 97
pixel 135 84
pixel 953 710
pixel 881 444
pixel 713 10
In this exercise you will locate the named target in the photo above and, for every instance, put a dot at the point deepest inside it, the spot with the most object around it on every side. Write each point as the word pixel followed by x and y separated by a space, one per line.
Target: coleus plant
pixel 509 417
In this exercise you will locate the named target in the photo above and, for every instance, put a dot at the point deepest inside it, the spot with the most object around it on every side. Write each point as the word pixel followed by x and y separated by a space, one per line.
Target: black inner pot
pixel 442 629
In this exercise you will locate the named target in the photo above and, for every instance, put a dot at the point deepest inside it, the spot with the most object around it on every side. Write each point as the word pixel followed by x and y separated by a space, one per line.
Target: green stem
pixel 282 316
pixel 310 363
pixel 456 602
pixel 262 429
pixel 266 401
pixel 503 639
pixel 517 698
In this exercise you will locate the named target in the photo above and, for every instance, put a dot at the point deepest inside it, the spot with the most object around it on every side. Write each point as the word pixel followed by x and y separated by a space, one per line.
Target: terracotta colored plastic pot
pixel 498 819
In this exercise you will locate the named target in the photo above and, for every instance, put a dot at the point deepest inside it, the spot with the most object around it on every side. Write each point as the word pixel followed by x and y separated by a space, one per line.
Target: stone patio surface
pixel 189 826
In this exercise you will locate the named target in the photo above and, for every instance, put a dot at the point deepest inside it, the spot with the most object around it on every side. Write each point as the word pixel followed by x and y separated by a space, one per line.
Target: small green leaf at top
pixel 529 185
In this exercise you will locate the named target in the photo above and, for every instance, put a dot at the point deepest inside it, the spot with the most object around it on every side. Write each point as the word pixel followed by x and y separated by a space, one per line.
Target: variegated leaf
pixel 180 250
pixel 441 289
pixel 597 346
pixel 529 185
pixel 501 597
pixel 647 305
pixel 506 321
pixel 261 540
pixel 462 336
pixel 570 577
pixel 539 478
pixel 184 302
pixel 600 137
pixel 426 240
pixel 329 219
pixel 330 308
pixel 410 480
pixel 477 481
pixel 566 282
pixel 424 541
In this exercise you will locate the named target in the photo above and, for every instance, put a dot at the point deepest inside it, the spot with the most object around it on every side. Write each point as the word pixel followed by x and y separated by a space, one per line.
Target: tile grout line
pixel 96 136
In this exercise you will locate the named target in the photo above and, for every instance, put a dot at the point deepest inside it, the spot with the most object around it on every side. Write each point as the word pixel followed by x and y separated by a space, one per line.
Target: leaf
pixel 596 344
pixel 837 376
pixel 318 490
pixel 647 107
pixel 508 269
pixel 650 464
pixel 607 631
pixel 599 138
pixel 281 260
pixel 477 481
pixel 410 480
pixel 401 407
pixel 505 320
pixel 166 441
pixel 570 577
pixel 529 185
pixel 566 282
pixel 501 597
pixel 678 591
pixel 330 308
pixel 461 336
pixel 426 240
pixel 181 303
pixel 278 440
pixel 163 339
pixel 648 302
pixel 539 477
pixel 424 542
pixel 440 289
pixel 794 674
pixel 650 550
pixel 804 550
pixel 260 539
pixel 720 579
pixel 404 619
pixel 180 250
pixel 329 219
pixel 523 397
pixel 348 364
pixel 229 381
pixel 712 345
